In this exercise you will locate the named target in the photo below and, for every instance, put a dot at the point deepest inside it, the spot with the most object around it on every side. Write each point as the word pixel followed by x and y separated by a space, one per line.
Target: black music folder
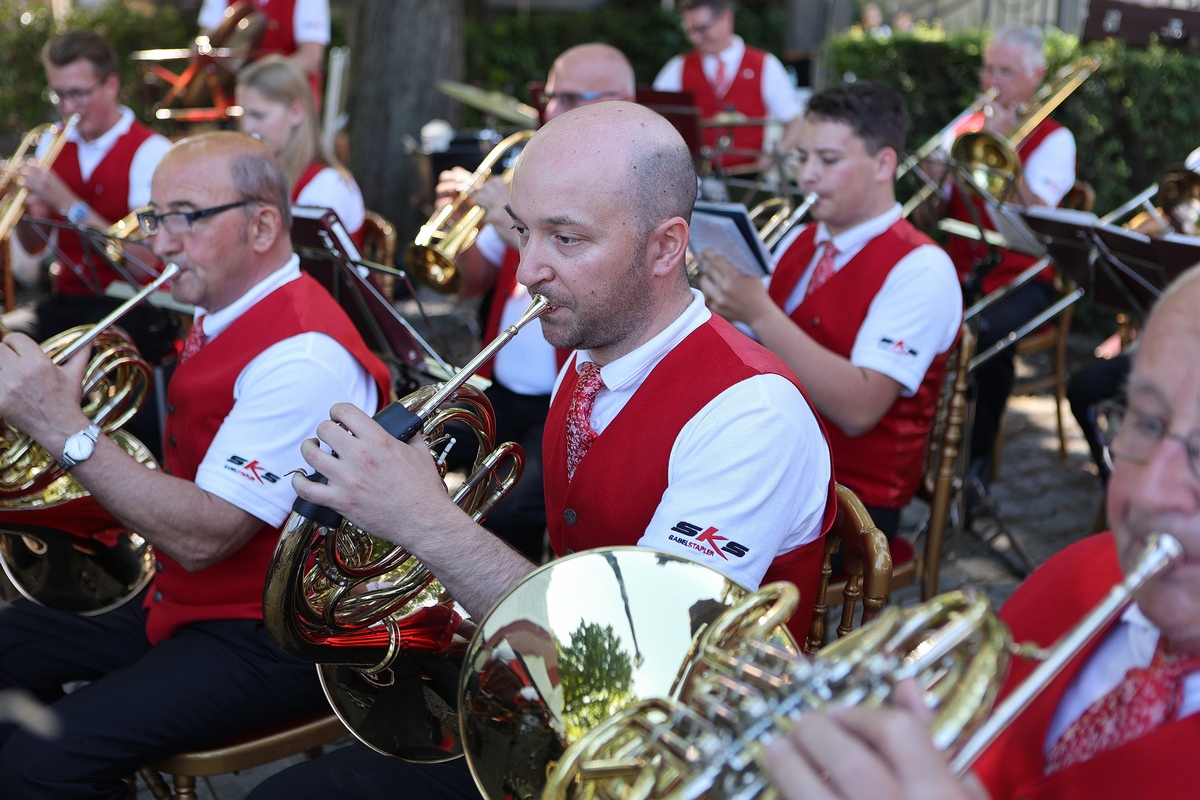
pixel 1067 235
pixel 1128 275
pixel 727 229
pixel 1177 252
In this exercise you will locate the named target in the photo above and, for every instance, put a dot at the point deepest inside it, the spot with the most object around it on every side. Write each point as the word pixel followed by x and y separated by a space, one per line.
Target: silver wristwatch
pixel 79 446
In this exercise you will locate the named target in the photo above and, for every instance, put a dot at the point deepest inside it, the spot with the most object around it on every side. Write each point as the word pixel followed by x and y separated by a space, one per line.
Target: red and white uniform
pixel 1047 159
pixel 755 84
pixel 893 306
pixel 237 411
pixel 326 187
pixel 289 22
pixel 112 175
pixel 726 465
pixel 1060 593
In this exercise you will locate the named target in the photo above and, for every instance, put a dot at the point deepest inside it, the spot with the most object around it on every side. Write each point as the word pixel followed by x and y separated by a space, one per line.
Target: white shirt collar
pixel 636 364
pixel 106 140
pixel 218 321
pixel 850 241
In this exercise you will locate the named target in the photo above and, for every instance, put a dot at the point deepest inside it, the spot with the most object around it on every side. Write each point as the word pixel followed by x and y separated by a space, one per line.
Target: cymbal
pixel 730 119
pixel 497 104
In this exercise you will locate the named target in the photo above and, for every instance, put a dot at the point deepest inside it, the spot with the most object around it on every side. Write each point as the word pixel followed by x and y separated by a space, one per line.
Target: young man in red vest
pixel 1120 720
pixel 701 444
pixel 100 176
pixel 725 75
pixel 269 352
pixel 1014 65
pixel 523 372
pixel 862 306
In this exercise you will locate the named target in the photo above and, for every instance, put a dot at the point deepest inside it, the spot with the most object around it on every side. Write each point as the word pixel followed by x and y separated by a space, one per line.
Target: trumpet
pixel 740 687
pixel 368 613
pixel 452 230
pixel 14 198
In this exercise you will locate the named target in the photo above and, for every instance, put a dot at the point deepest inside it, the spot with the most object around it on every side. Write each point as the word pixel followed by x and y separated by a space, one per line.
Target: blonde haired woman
pixel 277 107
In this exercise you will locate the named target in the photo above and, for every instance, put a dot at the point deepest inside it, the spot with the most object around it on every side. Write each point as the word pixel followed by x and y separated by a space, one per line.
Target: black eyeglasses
pixel 75 96
pixel 1133 436
pixel 575 99
pixel 180 222
pixel 699 30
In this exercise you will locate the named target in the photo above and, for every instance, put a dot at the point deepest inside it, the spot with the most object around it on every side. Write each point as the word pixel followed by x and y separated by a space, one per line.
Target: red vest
pixel 744 95
pixel 883 466
pixel 506 285
pixel 199 398
pixel 107 193
pixel 963 252
pixel 1057 596
pixel 279 35
pixel 619 483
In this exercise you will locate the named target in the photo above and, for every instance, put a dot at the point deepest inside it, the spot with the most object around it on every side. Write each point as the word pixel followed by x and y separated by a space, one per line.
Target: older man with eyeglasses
pixel 1121 719
pixel 268 354
pixel 725 76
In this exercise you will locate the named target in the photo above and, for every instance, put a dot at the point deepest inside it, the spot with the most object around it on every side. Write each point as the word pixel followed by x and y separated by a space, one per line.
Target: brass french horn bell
pixel 550 655
pixel 383 631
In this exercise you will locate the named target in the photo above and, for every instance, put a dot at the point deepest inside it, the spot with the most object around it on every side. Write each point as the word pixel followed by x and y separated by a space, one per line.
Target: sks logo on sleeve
pixel 897 347
pixel 707 541
pixel 251 470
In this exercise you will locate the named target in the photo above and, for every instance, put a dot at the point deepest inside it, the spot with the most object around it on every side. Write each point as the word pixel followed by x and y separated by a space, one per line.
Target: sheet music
pixel 727 229
pixel 1007 217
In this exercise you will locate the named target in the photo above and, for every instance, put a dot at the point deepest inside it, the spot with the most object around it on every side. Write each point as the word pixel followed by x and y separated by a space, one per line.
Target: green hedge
pixel 1133 117
pixel 30 25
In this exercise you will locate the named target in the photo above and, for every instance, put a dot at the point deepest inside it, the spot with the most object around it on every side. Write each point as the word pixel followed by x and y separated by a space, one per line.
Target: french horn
pixel 382 630
pixel 58 547
pixel 737 688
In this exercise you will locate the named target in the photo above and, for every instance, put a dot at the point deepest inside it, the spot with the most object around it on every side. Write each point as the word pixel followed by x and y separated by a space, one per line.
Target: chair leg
pixel 155 783
pixel 185 787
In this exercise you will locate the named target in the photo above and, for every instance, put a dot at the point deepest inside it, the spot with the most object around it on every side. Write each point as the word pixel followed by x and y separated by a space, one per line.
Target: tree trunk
pixel 400 49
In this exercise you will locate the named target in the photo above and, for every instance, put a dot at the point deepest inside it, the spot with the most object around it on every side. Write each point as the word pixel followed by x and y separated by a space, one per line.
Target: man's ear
pixel 667 246
pixel 266 226
pixel 885 161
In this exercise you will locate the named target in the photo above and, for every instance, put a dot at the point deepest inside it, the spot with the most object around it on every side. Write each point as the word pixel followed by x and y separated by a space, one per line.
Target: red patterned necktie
pixel 719 80
pixel 1144 700
pixel 824 270
pixel 195 339
pixel 580 433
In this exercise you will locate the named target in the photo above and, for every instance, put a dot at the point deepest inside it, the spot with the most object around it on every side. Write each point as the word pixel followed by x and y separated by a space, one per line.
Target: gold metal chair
pixel 868 569
pixel 941 480
pixel 379 241
pixel 307 736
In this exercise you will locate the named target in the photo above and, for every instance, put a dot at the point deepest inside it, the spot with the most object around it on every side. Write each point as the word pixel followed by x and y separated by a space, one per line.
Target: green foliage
pixel 597 677
pixel 21 104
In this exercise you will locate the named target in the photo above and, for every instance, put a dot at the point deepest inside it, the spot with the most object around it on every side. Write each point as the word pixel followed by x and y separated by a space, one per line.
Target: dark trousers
pixel 1102 379
pixel 520 519
pixel 356 772
pixel 994 378
pixel 209 682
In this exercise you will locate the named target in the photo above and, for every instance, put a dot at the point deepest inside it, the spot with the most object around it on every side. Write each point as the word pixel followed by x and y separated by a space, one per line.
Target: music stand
pixel 1128 274
pixel 329 254
pixel 1177 252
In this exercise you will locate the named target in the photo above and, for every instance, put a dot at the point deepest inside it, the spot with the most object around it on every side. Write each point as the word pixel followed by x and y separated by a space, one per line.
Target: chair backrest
pixel 941 464
pixel 868 563
pixel 379 245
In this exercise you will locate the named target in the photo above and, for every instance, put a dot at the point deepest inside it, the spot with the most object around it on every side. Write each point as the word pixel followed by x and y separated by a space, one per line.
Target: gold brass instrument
pixel 991 160
pixel 114 385
pixel 14 196
pixel 58 547
pixel 738 690
pixel 453 228
pixel 378 624
pixel 1172 205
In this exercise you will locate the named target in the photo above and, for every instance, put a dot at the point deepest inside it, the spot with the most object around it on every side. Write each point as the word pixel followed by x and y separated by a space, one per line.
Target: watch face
pixel 79 446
